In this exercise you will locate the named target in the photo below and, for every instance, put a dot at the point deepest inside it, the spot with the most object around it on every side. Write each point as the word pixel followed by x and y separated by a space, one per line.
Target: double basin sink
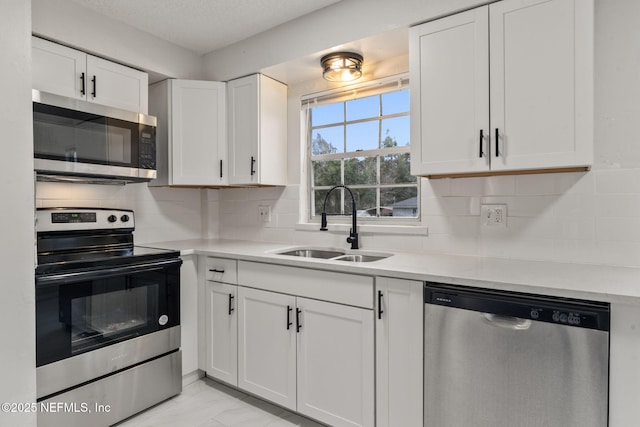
pixel 333 254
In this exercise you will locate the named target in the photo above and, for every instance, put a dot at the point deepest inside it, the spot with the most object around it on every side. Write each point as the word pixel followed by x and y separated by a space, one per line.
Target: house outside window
pixel 361 139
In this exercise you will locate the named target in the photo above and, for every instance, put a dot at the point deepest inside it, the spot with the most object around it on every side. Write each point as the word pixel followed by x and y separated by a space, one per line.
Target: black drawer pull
pixel 298 324
pixel 380 311
pixel 215 270
pixel 82 90
pixel 231 297
pixel 289 323
pixel 95 86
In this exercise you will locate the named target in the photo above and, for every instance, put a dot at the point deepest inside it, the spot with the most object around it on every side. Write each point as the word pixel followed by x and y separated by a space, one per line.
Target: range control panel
pixel 68 219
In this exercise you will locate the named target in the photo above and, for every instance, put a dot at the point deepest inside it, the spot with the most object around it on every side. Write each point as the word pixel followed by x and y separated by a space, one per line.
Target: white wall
pixel 69 23
pixel 591 217
pixel 17 305
pixel 337 24
pixel 160 213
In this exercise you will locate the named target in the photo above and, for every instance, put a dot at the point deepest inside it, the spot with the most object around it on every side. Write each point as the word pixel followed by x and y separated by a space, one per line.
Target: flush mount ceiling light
pixel 341 66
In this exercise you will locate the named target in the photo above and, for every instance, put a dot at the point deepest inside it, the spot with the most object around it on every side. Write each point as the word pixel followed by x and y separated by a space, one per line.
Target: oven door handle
pixel 51 279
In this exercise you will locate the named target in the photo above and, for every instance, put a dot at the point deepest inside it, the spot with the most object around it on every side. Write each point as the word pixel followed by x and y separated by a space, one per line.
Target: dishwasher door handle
pixel 507 322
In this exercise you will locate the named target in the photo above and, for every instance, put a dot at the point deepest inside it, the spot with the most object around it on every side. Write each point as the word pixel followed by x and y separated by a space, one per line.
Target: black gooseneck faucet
pixel 353 233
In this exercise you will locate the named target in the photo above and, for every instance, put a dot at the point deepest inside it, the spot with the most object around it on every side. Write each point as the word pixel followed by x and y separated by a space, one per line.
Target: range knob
pixel 124 218
pixel 112 218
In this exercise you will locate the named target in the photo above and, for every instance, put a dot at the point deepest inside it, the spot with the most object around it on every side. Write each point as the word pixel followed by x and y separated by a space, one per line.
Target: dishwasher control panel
pixel 562 311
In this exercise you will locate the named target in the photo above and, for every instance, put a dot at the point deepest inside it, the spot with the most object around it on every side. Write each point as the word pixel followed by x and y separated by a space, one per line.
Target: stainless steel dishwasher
pixel 500 359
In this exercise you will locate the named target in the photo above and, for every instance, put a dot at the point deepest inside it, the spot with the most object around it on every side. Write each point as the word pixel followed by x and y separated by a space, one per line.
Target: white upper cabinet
pixel 68 72
pixel 191 134
pixel 257 130
pixel 504 87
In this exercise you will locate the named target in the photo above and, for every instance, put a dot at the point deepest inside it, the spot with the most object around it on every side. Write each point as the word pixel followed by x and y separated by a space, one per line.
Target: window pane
pixel 360 170
pixel 363 108
pixel 400 201
pixel 396 169
pixel 362 136
pixel 395 102
pixel 328 140
pixel 395 132
pixel 365 201
pixel 326 174
pixel 333 202
pixel 327 114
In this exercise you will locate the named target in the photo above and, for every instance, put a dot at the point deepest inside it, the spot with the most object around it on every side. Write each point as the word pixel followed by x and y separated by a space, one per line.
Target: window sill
pixel 368 228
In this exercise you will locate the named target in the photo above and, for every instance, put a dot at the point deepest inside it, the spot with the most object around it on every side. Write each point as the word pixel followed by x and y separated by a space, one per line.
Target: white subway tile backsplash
pixel 618 181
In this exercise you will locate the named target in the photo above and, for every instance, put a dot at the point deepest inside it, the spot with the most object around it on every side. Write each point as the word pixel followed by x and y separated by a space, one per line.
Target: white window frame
pixel 347 93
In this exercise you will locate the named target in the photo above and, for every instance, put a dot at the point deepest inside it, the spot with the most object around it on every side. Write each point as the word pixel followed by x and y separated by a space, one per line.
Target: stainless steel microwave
pixel 74 138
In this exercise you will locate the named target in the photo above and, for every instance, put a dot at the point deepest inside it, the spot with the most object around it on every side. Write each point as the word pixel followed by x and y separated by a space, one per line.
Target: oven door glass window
pixel 106 314
pixel 80 316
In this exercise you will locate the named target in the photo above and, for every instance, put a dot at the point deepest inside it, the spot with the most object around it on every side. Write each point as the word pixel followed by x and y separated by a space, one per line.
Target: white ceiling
pixel 204 25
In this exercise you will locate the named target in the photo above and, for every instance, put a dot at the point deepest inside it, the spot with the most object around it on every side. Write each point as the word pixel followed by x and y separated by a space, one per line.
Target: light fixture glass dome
pixel 341 66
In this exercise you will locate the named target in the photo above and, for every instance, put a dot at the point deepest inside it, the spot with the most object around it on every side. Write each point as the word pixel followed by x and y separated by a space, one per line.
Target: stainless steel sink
pixel 313 253
pixel 333 254
pixel 360 258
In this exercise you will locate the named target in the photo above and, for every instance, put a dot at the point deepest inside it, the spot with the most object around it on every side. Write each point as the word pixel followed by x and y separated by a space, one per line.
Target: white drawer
pixel 342 288
pixel 222 270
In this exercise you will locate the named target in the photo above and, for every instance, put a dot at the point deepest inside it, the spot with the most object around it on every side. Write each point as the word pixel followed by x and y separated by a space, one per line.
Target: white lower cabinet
pixel 399 349
pixel 310 356
pixel 267 345
pixel 335 363
pixel 189 314
pixel 221 325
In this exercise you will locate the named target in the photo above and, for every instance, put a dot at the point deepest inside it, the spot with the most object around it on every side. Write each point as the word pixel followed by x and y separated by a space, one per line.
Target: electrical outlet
pixel 264 213
pixel 493 215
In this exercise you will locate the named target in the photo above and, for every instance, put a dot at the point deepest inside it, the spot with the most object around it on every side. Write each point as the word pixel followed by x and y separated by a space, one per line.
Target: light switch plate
pixel 493 215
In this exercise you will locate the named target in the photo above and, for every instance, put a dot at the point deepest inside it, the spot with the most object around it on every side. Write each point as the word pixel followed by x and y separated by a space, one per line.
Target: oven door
pixel 81 312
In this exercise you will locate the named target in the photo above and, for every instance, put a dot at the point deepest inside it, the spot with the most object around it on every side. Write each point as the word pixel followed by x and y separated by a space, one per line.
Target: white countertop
pixel 584 281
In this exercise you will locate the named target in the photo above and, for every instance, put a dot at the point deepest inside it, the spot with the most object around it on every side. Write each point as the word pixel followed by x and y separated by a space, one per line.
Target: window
pixel 363 143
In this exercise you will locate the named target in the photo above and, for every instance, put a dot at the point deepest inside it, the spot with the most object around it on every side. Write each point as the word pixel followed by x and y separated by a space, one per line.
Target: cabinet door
pixel 197 142
pixel 399 347
pixel 189 313
pixel 449 94
pixel 541 83
pixel 335 363
pixel 116 85
pixel 222 332
pixel 58 69
pixel 267 345
pixel 244 161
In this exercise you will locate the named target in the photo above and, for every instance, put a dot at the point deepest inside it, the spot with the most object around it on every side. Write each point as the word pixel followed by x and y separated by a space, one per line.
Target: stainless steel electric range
pixel 107 319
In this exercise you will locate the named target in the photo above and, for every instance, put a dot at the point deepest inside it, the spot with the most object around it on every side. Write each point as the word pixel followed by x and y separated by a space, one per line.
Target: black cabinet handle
pixel 497 146
pixel 289 323
pixel 380 311
pixel 253 162
pixel 95 86
pixel 298 324
pixel 220 168
pixel 82 90
pixel 231 297
pixel 481 143
pixel 215 270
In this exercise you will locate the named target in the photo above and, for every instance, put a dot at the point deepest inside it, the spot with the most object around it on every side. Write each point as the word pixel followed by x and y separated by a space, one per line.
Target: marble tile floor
pixel 206 403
